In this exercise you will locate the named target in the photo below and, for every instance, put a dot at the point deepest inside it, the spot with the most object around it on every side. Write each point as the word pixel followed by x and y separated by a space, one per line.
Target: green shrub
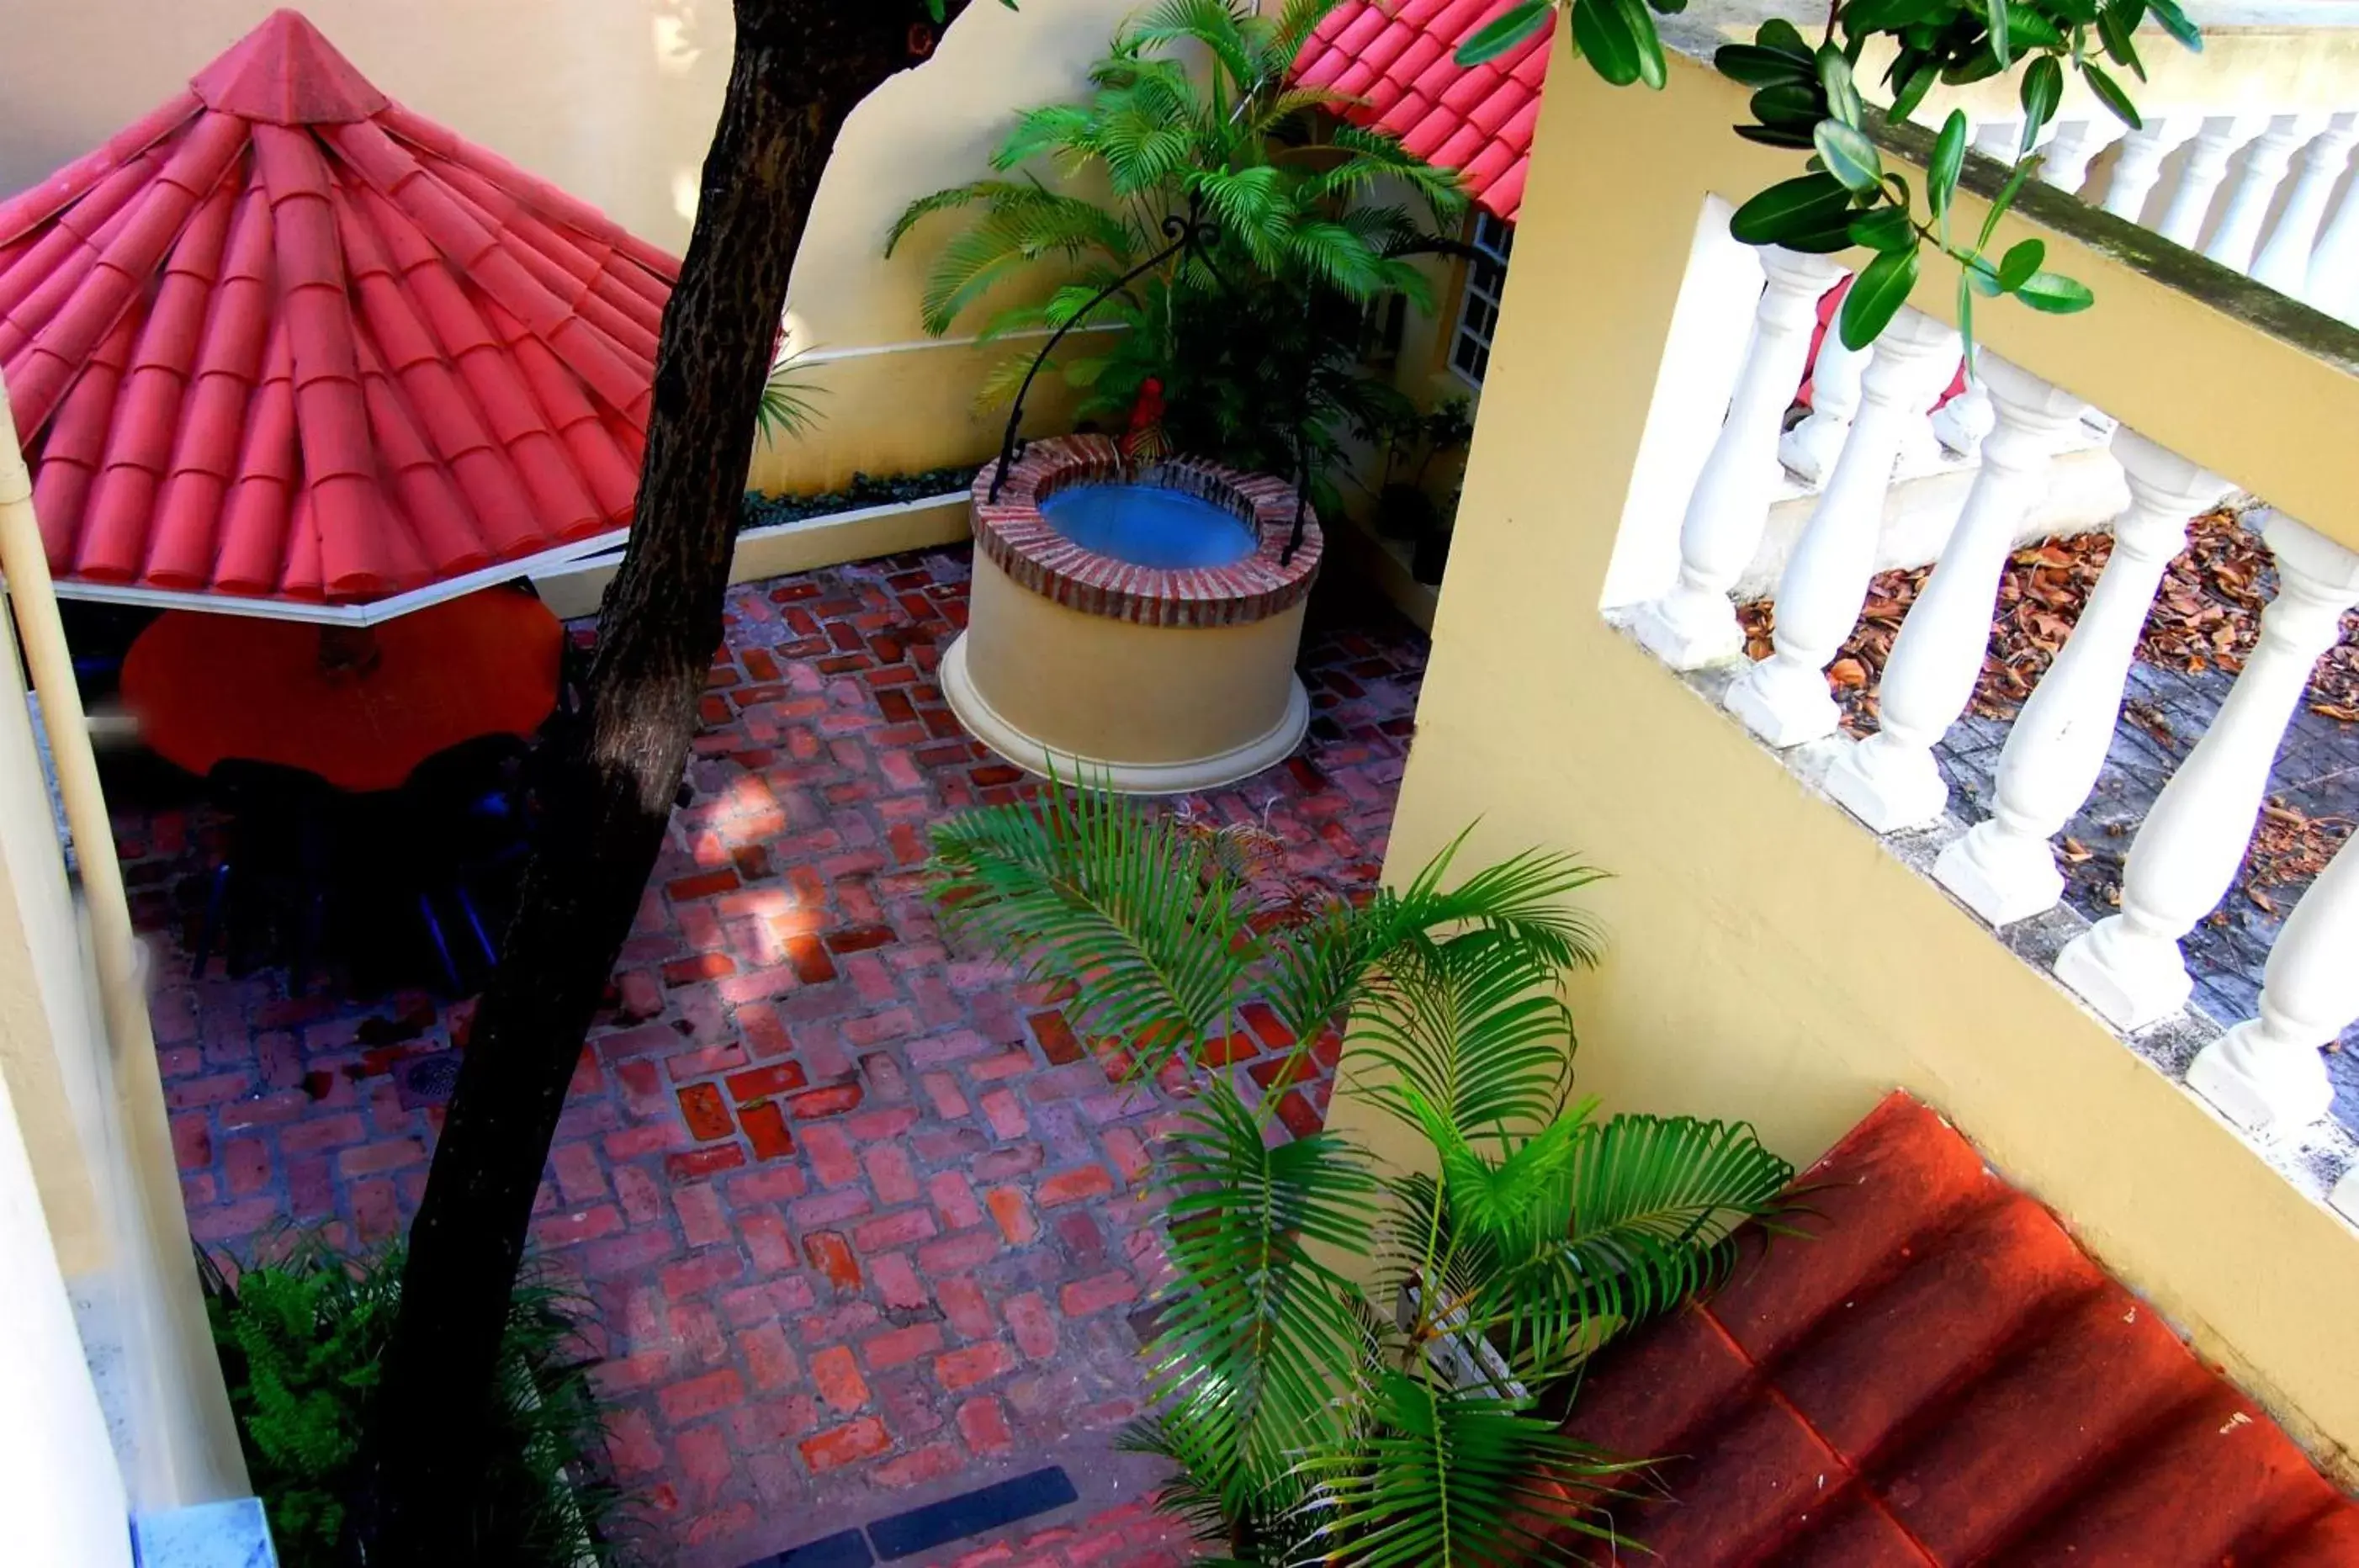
pixel 302 1338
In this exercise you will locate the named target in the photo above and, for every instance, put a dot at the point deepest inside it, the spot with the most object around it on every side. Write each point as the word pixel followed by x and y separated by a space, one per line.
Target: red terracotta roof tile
pixel 1397 57
pixel 1935 1377
pixel 284 338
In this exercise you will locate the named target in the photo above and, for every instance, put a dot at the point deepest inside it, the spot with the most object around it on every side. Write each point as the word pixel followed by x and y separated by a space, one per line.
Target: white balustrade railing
pixel 2231 190
pixel 1889 781
pixel 1784 698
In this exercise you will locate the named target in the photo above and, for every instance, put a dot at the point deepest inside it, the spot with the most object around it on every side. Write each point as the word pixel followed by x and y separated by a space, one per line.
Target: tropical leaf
pixel 1083 886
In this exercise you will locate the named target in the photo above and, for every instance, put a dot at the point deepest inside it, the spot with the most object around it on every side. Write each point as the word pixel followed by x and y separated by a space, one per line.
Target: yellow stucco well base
pixel 1145 710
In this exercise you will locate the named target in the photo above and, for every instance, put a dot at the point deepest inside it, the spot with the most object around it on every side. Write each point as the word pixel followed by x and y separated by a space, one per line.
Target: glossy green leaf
pixel 2055 293
pixel 1850 156
pixel 1885 229
pixel 1842 93
pixel 1640 24
pixel 2022 259
pixel 1913 89
pixel 1792 104
pixel 1981 66
pixel 1503 32
pixel 1886 15
pixel 2172 20
pixel 2114 24
pixel 2006 198
pixel 2001 50
pixel 1670 7
pixel 1882 288
pixel 2043 89
pixel 1776 135
pixel 1782 35
pixel 1982 277
pixel 1808 203
pixel 1603 34
pixel 1758 67
pixel 2026 29
pixel 2109 93
pixel 1949 157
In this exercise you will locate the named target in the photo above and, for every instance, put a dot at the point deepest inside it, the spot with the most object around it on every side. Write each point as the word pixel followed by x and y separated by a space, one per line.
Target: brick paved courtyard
pixel 860 1218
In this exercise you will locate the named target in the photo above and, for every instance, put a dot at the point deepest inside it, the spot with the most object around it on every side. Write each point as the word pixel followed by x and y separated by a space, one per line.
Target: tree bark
pixel 799 69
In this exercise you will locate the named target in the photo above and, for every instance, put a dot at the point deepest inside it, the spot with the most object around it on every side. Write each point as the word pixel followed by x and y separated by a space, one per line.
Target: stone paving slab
pixel 861 1217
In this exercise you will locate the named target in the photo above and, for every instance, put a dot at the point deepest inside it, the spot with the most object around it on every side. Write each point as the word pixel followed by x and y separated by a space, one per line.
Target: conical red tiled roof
pixel 285 339
pixel 1399 58
pixel 1932 1374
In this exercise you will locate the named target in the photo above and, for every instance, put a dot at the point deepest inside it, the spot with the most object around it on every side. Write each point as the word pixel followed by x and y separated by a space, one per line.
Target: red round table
pixel 358 706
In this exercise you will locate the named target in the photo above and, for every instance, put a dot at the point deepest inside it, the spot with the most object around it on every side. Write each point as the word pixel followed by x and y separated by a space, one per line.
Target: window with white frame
pixel 1478 310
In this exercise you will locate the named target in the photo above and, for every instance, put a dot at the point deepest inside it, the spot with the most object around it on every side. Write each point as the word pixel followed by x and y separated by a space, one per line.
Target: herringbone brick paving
pixel 861 1219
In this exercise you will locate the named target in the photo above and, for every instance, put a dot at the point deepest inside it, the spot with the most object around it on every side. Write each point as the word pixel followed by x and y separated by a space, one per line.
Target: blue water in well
pixel 1147 525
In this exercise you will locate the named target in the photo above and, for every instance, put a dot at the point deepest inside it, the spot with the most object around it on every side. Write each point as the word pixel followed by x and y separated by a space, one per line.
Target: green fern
pixel 1356 1367
pixel 301 1338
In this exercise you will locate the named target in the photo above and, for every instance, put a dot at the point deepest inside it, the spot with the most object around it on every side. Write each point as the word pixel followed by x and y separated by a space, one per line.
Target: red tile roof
pixel 1399 58
pixel 1938 1377
pixel 284 338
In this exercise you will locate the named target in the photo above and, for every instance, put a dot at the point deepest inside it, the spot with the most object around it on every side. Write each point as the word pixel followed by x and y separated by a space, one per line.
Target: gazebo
pixel 285 348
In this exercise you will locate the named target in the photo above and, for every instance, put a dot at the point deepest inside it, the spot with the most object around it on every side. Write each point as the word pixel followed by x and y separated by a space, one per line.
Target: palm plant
pixel 1298 224
pixel 1355 1364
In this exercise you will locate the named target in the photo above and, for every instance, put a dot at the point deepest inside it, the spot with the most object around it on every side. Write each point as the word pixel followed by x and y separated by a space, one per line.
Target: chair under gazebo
pixel 322 383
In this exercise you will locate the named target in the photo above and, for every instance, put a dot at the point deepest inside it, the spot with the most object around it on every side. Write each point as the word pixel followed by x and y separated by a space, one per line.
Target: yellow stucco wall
pixel 1769 959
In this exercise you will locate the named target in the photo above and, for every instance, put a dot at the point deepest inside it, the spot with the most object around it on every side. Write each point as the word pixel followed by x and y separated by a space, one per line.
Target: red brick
pixel 1129 1155
pixel 374 1159
pixel 632 1443
pixel 899 1229
pixel 568 1229
pixel 698 1162
pixel 765 1128
pixel 702 1218
pixel 1095 1294
pixel 1012 1214
pixel 776 1079
pixel 953 1200
pixel 831 1255
pixel 943 1090
pixel 703 966
pixel 965 1308
pixel 1006 1113
pixel 859 939
pixel 1273 1035
pixel 1056 1037
pixel 957 1254
pixel 702 1273
pixel 1034 1325
pixel 837 1378
pixel 890 1173
pixel 833 1100
pixel 898 1282
pixel 898 1348
pixel 931 1463
pixel 699 1396
pixel 706 1114
pixel 963 1369
pixel 1074 1186
pixel 984 1426
pixel 686 889
pixel 812 966
pixel 832 1157
pixel 846 1444
pixel 769 1357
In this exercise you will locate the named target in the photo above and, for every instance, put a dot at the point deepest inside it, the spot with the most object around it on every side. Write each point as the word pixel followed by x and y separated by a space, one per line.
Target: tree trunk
pixel 800 67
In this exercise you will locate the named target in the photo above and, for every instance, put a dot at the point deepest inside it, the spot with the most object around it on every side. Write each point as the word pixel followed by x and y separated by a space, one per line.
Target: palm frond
pixel 790 405
pixel 1448 1479
pixel 1085 887
pixel 1218 26
pixel 1259 1343
pixel 1476 1029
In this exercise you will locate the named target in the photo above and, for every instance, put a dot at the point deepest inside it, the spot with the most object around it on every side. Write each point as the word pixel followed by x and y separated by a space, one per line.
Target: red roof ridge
pixel 1936 1376
pixel 286 72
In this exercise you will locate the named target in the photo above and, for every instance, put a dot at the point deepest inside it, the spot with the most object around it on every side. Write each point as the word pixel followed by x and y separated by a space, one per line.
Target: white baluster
pixel 1962 423
pixel 1889 781
pixel 2128 965
pixel 2257 188
pixel 2265 1073
pixel 2207 165
pixel 2284 262
pixel 2074 147
pixel 2346 1196
pixel 1695 623
pixel 1998 140
pixel 1783 698
pixel 2141 162
pixel 2003 869
pixel 1809 449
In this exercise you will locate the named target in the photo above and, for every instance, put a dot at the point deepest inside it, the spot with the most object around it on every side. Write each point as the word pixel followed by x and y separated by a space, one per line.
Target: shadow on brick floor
pixel 861 1217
